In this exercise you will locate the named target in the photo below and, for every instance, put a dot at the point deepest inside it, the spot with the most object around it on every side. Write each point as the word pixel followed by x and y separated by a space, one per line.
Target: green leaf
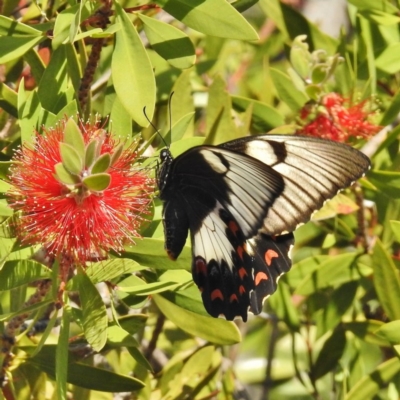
pixel 381 5
pixel 102 164
pixel 107 270
pixel 28 114
pixel 392 110
pixel 220 125
pixel 21 272
pixel 330 354
pixel 387 181
pixel 64 176
pixel 56 78
pixel 365 330
pixel 119 337
pixel 331 272
pixel 145 289
pixel 94 312
pixel 169 42
pixel 5 209
pixel 214 330
pixel 212 17
pixel 386 281
pixel 24 310
pixel 91 153
pixel 73 137
pixel 86 376
pixel 368 386
pixel 263 115
pixel 116 154
pixel 62 357
pixel 97 182
pixel 71 159
pixel 287 92
pixel 9 99
pixel 11 27
pixel 14 47
pixel 387 60
pixel 395 225
pixel 4 168
pixel 390 332
pixel 151 253
pixel 131 70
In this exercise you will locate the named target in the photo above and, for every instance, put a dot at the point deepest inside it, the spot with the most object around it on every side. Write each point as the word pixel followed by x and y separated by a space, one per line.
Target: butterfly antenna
pixel 154 127
pixel 169 137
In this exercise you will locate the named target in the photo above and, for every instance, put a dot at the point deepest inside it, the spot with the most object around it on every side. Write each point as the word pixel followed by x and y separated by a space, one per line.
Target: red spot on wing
pixel 269 255
pixel 260 277
pixel 242 289
pixel 216 294
pixel 233 226
pixel 201 266
pixel 242 273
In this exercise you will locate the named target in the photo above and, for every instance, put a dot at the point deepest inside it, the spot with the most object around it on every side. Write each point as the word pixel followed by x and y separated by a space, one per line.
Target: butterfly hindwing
pixel 233 274
pixel 240 201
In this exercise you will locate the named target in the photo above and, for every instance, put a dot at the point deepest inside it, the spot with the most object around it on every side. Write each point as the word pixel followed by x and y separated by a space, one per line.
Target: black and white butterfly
pixel 240 201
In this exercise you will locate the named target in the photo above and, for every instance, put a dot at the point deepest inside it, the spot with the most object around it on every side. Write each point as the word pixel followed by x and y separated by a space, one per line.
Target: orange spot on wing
pixel 233 298
pixel 242 273
pixel 216 294
pixel 269 255
pixel 242 290
pixel 259 277
pixel 171 255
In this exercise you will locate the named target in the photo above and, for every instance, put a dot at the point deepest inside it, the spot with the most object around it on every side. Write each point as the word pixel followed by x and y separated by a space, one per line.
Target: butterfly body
pixel 240 201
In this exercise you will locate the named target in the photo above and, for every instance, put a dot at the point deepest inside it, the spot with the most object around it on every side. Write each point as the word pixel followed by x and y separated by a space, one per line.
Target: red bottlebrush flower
pixel 331 118
pixel 78 192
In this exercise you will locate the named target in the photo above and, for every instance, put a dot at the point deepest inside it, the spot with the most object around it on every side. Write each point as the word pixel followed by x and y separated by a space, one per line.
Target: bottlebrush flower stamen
pixel 78 192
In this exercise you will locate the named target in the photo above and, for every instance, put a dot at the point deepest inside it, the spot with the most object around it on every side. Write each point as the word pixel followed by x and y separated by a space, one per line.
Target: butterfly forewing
pixel 313 171
pixel 236 198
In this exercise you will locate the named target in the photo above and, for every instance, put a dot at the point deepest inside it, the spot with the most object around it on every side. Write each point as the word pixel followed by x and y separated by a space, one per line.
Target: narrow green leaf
pixel 169 42
pixel 56 78
pixel 94 312
pixel 20 272
pixel 386 281
pixel 28 114
pixel 11 27
pixel 395 225
pixel 131 70
pixel 97 182
pixel 46 334
pixel 102 164
pixel 212 17
pixel 214 330
pixel 390 332
pixel 73 137
pixel 151 253
pixel 330 354
pixel 119 337
pixel 107 270
pixel 62 357
pixel 71 160
pixel 86 376
pixel 29 309
pixel 181 127
pixel 5 209
pixel 331 272
pixel 386 181
pixel 365 330
pixel 381 5
pixel 9 99
pixel 368 386
pixel 287 92
pixel 264 116
pixel 12 47
pixel 145 289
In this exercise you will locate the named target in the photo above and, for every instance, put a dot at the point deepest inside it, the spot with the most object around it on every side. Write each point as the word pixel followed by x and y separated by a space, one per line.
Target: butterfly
pixel 241 201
